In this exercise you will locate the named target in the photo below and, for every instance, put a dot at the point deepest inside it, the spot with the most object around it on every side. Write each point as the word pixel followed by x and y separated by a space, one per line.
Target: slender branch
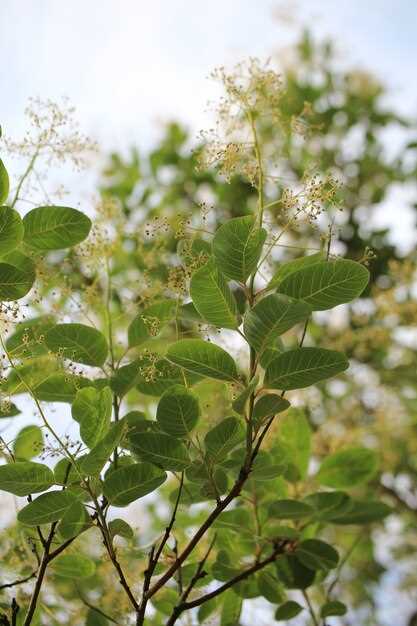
pixel 19 581
pixel 94 608
pixel 24 176
pixel 310 608
pixel 278 550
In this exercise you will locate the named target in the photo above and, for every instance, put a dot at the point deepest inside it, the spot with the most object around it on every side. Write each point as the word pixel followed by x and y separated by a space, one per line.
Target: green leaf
pixel 127 484
pixel 294 443
pixel 11 228
pixel 155 378
pixel 326 284
pixel 333 608
pixel 79 343
pixel 268 405
pixel 285 269
pixel 302 367
pixel 293 573
pixel 28 339
pixel 14 282
pixel 269 586
pixel 328 505
pixel 74 521
pixel 120 527
pixel 231 608
pixel 48 507
pixel 207 609
pixel 160 449
pixel 60 387
pixel 4 183
pixel 271 317
pixel 363 513
pixel 178 411
pixel 93 462
pixel 25 477
pixel 290 509
pixel 55 227
pixel 223 438
pixel 288 610
pixel 92 410
pixel 126 377
pixel 8 409
pixel 150 321
pixel 204 358
pixel 212 297
pixel 348 468
pixel 28 443
pixel 73 566
pixel 237 246
pixel 317 555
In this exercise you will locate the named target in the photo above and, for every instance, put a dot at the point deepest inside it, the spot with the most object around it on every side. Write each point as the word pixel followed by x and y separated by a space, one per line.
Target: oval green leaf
pixel 127 484
pixel 302 367
pixel 348 468
pixel 326 284
pixel 178 411
pixel 212 297
pixel 4 183
pixel 160 449
pixel 48 507
pixel 237 246
pixel 25 477
pixel 73 566
pixel 77 342
pixel 204 358
pixel 55 227
pixel 271 317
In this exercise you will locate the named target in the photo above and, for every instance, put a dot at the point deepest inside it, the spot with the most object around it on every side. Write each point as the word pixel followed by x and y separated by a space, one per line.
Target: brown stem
pixel 185 606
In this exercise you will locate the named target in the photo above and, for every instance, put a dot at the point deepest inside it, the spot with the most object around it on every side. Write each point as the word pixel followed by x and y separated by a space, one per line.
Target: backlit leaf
pixel 237 246
pixel 212 297
pixel 11 228
pixel 348 468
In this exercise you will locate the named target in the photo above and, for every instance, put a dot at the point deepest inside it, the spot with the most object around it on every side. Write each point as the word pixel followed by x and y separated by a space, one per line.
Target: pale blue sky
pixel 126 64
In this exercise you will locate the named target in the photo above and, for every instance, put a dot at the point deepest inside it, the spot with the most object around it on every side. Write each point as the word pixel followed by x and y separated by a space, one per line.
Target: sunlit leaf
pixel 28 442
pixel 11 227
pixel 73 566
pixel 237 246
pixel 212 297
pixel 348 468
pixel 4 183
